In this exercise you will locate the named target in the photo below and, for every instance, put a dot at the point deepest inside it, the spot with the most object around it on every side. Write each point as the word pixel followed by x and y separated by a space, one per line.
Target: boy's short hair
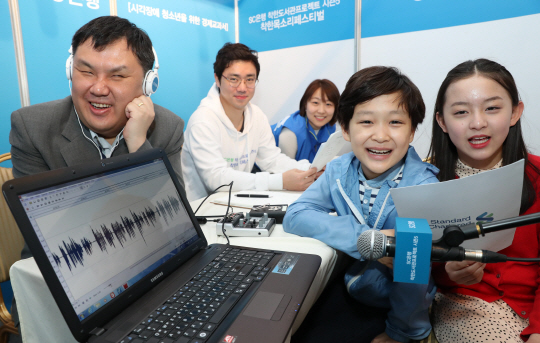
pixel 234 52
pixel 369 83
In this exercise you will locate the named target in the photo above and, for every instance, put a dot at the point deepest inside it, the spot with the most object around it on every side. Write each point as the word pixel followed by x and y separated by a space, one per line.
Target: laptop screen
pixel 92 227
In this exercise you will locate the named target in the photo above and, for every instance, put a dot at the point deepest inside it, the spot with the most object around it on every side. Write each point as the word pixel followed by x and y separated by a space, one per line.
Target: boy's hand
pixel 387 261
pixel 383 338
pixel 465 272
pixel 389 232
pixel 298 180
pixel 140 114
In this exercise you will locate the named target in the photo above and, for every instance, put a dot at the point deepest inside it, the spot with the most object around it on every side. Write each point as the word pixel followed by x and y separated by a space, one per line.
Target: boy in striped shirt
pixel 379 112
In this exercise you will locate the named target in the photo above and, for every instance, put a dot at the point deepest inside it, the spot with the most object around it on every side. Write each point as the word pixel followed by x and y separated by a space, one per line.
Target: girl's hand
pixel 465 272
pixel 534 338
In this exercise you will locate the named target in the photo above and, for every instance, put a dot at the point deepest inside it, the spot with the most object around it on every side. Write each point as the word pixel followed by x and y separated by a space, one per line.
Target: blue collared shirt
pixel 105 147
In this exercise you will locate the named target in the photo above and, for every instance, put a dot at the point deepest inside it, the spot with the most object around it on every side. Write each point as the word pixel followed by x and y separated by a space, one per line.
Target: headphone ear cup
pixel 69 67
pixel 151 82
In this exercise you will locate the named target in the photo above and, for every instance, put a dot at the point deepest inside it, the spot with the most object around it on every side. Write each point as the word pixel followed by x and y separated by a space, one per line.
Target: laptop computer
pixel 126 261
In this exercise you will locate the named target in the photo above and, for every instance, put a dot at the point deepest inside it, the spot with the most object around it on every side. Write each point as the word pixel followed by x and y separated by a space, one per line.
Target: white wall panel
pixel 285 74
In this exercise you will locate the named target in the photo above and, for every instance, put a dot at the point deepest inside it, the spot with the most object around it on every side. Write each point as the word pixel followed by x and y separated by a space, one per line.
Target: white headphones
pixel 151 79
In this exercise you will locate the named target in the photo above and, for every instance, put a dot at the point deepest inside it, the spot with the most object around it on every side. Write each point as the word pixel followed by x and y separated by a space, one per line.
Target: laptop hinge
pixel 97 331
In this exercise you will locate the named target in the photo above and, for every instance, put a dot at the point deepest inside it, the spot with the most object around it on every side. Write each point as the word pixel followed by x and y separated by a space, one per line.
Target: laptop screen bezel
pixel 12 189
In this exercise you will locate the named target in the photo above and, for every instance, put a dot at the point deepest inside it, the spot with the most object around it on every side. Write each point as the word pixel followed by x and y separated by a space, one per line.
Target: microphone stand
pixel 454 235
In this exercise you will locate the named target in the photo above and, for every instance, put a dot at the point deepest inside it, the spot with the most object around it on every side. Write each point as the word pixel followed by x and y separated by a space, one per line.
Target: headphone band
pixel 156 63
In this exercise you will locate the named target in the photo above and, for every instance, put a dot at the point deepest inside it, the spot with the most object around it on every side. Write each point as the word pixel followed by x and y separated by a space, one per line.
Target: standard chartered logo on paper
pixel 484 218
pixel 441 224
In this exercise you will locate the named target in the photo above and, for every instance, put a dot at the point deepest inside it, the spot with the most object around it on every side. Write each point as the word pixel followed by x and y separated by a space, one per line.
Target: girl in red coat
pixel 477 127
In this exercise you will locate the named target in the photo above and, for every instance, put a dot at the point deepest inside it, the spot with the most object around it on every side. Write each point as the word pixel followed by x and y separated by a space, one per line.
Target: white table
pixel 40 317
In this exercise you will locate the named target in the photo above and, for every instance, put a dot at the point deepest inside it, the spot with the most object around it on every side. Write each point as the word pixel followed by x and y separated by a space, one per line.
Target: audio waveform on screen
pixel 115 234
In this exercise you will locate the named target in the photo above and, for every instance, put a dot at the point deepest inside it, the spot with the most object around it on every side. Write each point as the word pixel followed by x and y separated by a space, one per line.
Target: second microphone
pixel 373 245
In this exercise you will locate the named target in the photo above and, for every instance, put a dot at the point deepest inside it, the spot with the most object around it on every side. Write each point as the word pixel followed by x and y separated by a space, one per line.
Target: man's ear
pixel 517 111
pixel 217 80
pixel 440 120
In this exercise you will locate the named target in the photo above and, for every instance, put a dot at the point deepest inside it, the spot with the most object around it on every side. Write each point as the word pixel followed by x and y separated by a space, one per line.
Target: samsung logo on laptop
pixel 156 277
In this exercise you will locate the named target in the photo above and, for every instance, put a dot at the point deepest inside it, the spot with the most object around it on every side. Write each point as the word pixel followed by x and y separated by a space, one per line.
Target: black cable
pixel 522 259
pixel 226 214
pixel 203 220
pixel 214 191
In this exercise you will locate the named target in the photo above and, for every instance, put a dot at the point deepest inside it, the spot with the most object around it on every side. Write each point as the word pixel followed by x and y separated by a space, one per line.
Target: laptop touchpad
pixel 264 304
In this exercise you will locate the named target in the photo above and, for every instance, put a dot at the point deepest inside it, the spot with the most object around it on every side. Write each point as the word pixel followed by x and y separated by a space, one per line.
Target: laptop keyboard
pixel 192 314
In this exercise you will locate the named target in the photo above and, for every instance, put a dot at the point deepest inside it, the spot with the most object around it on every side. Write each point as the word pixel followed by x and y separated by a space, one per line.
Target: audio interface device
pixel 236 224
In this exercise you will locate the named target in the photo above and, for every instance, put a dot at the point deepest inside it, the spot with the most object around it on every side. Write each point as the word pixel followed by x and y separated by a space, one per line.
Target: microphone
pixel 373 245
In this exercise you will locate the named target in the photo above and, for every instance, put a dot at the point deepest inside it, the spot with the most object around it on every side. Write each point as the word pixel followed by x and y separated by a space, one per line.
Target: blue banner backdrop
pixel 277 24
pixel 10 84
pixel 47 28
pixel 386 17
pixel 186 35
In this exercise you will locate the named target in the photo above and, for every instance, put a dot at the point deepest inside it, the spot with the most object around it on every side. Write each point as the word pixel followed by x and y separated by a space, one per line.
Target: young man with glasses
pixel 227 135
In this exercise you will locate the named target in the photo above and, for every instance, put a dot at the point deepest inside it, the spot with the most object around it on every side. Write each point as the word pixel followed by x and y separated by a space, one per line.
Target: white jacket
pixel 215 153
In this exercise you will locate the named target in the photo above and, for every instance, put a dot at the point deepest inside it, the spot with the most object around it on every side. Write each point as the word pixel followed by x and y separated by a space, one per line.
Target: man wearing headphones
pixel 109 112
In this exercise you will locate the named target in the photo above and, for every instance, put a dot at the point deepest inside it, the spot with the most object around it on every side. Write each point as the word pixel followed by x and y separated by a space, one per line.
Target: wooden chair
pixel 11 244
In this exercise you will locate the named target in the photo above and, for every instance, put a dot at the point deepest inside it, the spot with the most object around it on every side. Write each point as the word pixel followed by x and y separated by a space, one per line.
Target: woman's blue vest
pixel 308 141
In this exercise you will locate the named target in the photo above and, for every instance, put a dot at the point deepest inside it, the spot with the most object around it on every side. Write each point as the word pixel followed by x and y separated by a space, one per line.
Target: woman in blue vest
pixel 300 135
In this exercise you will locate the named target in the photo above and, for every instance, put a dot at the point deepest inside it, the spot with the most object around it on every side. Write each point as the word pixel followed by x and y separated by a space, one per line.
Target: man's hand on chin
pixel 140 114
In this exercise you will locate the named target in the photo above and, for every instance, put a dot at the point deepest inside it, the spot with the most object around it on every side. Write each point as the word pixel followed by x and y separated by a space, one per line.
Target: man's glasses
pixel 251 82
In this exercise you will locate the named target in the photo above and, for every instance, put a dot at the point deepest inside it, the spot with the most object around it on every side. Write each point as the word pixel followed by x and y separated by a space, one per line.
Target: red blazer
pixel 517 283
